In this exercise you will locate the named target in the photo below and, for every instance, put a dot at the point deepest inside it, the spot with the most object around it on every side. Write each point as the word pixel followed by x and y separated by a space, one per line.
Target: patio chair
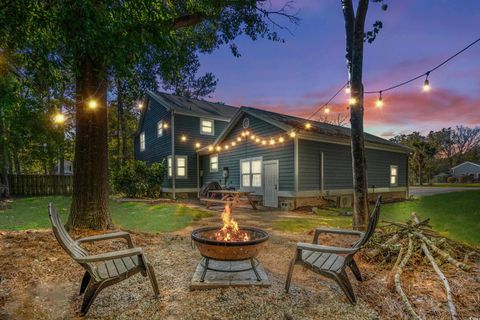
pixel 331 261
pixel 105 269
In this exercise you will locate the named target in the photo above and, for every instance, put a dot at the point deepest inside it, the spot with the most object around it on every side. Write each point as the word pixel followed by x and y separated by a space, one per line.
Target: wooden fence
pixel 39 185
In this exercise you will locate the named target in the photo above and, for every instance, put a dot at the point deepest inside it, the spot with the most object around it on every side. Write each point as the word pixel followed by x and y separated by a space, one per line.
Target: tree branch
pixel 188 20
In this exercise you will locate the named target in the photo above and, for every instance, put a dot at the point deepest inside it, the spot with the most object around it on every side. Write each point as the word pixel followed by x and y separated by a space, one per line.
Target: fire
pixel 230 230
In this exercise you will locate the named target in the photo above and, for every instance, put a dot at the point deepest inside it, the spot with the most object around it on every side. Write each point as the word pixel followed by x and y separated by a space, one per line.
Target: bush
pixel 465 179
pixel 135 179
pixel 451 179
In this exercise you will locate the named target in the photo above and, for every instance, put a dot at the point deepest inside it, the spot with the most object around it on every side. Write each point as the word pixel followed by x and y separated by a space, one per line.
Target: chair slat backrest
pixel 67 243
pixel 372 224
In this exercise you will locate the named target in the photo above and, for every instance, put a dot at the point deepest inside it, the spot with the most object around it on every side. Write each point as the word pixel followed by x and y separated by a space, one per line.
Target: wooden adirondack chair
pixel 106 269
pixel 330 261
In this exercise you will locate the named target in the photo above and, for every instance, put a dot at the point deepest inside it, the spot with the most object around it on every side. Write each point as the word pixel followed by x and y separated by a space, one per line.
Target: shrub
pixel 451 179
pixel 136 179
pixel 465 179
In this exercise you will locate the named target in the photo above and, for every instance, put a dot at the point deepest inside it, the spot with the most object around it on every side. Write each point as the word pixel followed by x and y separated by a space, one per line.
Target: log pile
pixel 415 243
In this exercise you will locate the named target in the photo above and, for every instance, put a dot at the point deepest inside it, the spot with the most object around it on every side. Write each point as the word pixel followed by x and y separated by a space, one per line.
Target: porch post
pixel 174 160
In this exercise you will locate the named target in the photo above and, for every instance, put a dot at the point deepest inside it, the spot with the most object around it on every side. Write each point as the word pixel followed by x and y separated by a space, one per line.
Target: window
pixel 251 173
pixel 214 163
pixel 160 128
pixel 142 141
pixel 206 127
pixel 181 166
pixel 393 175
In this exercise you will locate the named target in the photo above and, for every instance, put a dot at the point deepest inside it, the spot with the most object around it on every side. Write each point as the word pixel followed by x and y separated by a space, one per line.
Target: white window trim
pixel 391 175
pixel 257 190
pixel 213 127
pixel 159 126
pixel 169 171
pixel 210 162
pixel 142 141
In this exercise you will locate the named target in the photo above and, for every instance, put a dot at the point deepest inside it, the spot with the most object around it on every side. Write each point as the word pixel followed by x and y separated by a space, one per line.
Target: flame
pixel 230 230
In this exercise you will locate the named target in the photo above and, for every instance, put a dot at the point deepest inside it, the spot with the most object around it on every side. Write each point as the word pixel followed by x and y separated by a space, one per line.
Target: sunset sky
pixel 301 74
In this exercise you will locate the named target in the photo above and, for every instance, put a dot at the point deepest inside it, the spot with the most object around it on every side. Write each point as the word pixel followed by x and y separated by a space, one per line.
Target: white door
pixel 270 191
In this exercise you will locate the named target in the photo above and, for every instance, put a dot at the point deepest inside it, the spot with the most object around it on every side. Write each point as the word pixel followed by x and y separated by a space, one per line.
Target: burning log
pixel 230 230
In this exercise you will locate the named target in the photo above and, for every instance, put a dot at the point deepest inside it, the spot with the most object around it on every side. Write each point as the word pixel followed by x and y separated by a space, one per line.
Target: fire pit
pixel 229 243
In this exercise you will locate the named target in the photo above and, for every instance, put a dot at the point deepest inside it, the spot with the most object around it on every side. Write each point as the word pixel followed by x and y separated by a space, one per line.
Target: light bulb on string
pixel 140 105
pixel 92 104
pixel 264 142
pixel 326 110
pixel 252 137
pixel 308 125
pixel 281 139
pixel 272 142
pixel 239 139
pixel 226 147
pixel 292 134
pixel 379 102
pixel 352 101
pixel 184 138
pixel 426 83
pixel 233 144
pixel 210 148
pixel 257 140
pixel 348 90
pixel 59 118
pixel 219 148
pixel 197 145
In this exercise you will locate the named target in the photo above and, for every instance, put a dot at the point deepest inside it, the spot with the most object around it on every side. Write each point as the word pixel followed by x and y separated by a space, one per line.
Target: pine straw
pixel 38 280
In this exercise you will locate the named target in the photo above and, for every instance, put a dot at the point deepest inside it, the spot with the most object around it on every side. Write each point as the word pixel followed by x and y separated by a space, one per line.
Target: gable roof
pixel 470 162
pixel 319 130
pixel 189 106
pixel 194 107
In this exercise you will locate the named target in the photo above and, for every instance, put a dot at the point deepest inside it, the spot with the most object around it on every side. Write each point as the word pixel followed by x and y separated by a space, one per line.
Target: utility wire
pixel 328 102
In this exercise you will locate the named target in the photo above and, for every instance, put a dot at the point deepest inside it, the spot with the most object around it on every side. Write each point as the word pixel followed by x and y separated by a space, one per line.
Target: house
pixel 466 169
pixel 67 167
pixel 285 160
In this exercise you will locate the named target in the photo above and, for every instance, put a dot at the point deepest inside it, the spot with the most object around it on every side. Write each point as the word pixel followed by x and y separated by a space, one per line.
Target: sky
pixel 301 74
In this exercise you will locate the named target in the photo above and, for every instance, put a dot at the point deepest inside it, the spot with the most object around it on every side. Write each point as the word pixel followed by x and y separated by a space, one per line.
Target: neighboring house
pixel 67 165
pixel 465 169
pixel 281 168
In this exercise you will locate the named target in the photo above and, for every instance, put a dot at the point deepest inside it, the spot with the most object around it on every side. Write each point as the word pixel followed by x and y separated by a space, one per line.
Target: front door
pixel 270 191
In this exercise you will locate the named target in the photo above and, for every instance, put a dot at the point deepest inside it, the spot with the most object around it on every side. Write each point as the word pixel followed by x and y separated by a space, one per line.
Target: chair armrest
pixel 111 255
pixel 319 231
pixel 109 236
pixel 325 249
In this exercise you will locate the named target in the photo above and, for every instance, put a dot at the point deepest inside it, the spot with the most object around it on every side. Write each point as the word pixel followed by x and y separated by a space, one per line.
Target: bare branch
pixel 284 11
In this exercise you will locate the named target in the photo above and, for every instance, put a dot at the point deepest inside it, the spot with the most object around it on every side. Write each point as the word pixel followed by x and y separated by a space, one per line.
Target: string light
pixel 264 142
pixel 327 110
pixel 272 142
pixel 165 125
pixel 247 132
pixel 352 101
pixel 239 139
pixel 140 105
pixel 210 148
pixel 379 102
pixel 59 118
pixel 226 147
pixel 426 83
pixel 292 134
pixel 252 137
pixel 308 125
pixel 198 145
pixel 243 134
pixel 184 138
pixel 92 104
pixel 234 144
pixel 219 148
pixel 348 90
pixel 257 140
pixel 281 139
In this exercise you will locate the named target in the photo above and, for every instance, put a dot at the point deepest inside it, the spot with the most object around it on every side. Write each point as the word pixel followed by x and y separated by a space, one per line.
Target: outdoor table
pixel 231 196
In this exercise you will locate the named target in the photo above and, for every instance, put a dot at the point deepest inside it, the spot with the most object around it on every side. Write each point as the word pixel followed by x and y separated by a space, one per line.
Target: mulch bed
pixel 39 280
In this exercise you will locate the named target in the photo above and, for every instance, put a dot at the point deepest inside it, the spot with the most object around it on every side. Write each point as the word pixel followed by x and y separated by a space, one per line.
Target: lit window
pixel 142 141
pixel 160 128
pixel 206 127
pixel 214 163
pixel 251 173
pixel 393 175
pixel 181 166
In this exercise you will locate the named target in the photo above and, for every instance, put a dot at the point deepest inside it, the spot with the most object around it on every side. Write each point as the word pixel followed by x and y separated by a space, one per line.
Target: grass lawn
pixel 455 215
pixel 31 213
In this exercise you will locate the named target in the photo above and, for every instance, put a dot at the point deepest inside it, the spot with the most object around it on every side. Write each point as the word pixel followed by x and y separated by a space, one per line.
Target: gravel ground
pixel 39 281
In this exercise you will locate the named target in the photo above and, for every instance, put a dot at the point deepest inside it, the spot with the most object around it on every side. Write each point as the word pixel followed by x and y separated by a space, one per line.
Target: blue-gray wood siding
pixel 337 166
pixel 190 127
pixel 466 168
pixel 156 148
pixel 284 153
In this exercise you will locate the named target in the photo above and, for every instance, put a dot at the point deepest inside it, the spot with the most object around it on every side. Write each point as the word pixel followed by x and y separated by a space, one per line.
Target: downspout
pixel 198 176
pixel 295 159
pixel 408 178
pixel 174 160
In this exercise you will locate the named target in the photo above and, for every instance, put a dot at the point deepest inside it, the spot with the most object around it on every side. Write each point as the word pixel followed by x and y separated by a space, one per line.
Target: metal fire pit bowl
pixel 204 239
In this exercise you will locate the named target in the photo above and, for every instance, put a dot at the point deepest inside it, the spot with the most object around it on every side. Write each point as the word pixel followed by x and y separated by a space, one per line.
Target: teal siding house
pixel 286 161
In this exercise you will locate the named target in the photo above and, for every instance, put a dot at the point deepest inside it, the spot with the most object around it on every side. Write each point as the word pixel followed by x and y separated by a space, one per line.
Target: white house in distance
pixel 465 169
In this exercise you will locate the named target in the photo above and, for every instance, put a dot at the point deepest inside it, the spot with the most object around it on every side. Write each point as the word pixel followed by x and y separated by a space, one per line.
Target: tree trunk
pixel 354 27
pixel 4 156
pixel 90 181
